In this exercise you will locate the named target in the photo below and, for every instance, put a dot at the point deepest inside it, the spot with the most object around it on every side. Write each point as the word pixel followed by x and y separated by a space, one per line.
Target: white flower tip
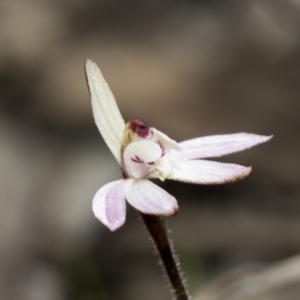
pixel 89 67
pixel 265 138
pixel 254 140
pixel 172 212
pixel 112 225
pixel 88 62
pixel 245 173
pixel 239 175
pixel 115 226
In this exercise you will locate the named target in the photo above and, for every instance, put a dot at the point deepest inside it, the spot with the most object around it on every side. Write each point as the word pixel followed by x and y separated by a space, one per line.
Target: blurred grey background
pixel 189 68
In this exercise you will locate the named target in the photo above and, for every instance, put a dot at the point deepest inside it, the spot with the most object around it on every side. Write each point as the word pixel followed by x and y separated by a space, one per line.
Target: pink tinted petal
pixel 217 145
pixel 109 204
pixel 149 198
pixel 208 172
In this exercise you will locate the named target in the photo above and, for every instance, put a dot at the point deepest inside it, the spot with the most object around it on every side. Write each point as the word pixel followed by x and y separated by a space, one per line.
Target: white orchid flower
pixel 144 152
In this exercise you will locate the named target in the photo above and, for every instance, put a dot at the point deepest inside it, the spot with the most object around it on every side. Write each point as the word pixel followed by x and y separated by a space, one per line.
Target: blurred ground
pixel 188 68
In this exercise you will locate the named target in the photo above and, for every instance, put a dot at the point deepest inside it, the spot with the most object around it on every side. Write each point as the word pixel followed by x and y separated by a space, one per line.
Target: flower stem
pixel 159 234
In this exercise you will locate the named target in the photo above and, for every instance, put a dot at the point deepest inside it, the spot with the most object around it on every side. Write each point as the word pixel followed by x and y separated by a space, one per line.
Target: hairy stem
pixel 159 234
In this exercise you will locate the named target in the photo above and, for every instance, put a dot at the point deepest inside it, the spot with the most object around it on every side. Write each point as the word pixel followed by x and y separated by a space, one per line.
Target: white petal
pixel 140 156
pixel 217 145
pixel 208 172
pixel 149 198
pixel 106 112
pixel 168 143
pixel 109 204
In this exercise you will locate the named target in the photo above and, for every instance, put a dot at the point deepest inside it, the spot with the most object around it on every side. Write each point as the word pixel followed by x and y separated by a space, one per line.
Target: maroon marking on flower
pixel 163 150
pixel 151 163
pixel 140 128
pixel 136 159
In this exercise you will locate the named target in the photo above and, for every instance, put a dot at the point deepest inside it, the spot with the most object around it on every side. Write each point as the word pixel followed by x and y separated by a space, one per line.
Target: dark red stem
pixel 163 245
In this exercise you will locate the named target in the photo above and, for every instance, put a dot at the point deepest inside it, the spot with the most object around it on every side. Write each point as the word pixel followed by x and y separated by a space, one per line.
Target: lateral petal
pixel 109 204
pixel 164 140
pixel 208 172
pixel 149 198
pixel 217 145
pixel 106 112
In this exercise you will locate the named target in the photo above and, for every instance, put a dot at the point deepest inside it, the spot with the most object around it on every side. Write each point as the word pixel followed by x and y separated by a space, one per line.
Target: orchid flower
pixel 144 153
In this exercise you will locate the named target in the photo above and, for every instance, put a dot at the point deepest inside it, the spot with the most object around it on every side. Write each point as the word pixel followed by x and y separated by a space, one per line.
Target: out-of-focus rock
pixel 277 282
